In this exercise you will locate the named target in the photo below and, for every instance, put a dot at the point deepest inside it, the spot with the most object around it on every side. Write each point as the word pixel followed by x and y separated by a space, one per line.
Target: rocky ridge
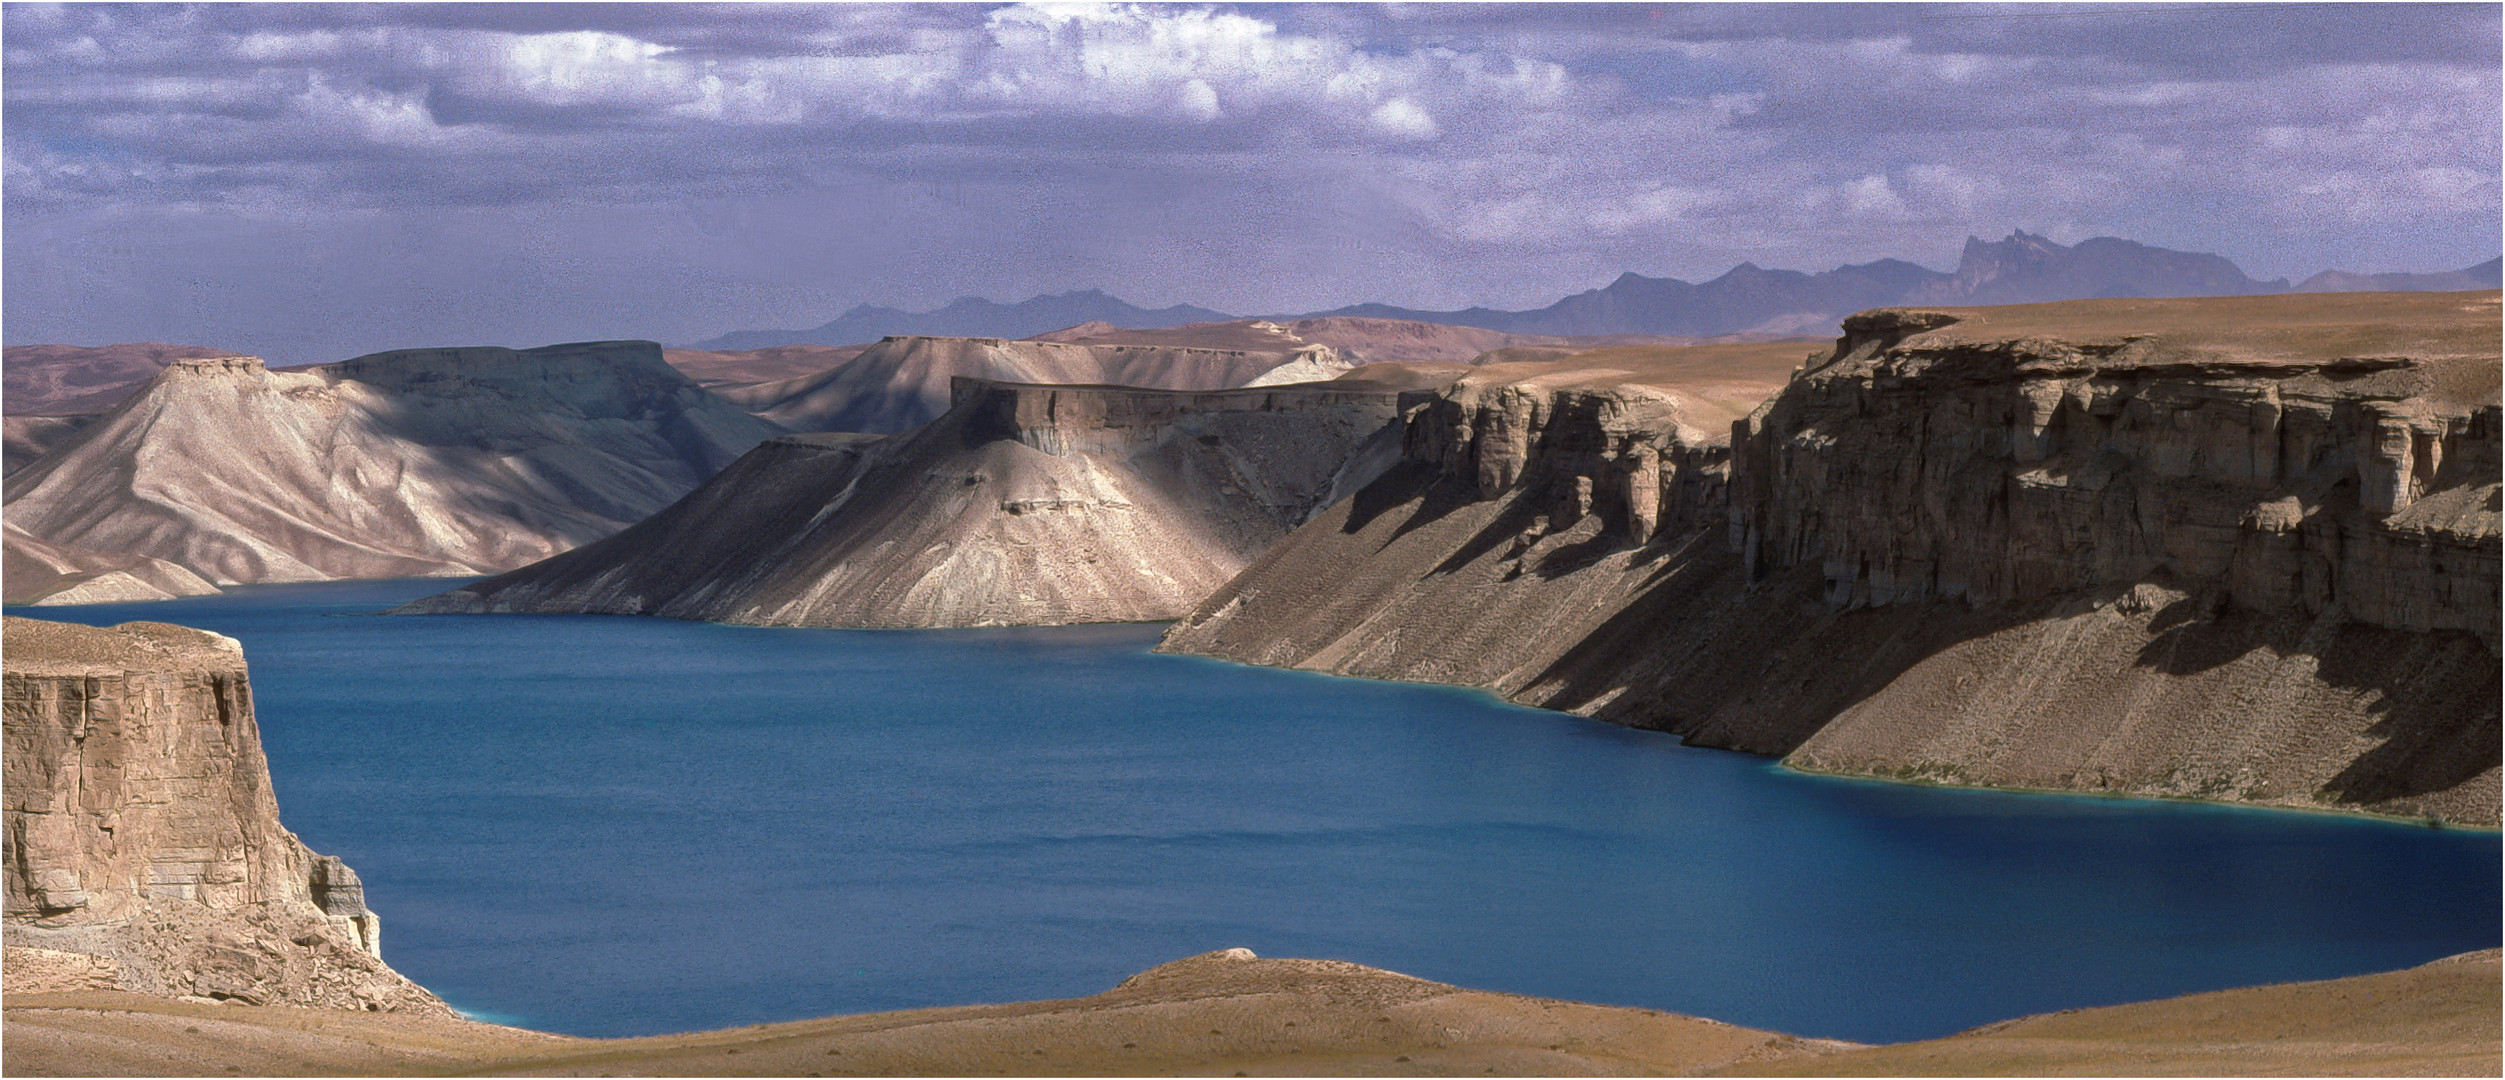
pixel 38 573
pixel 903 382
pixel 1023 504
pixel 2240 549
pixel 410 463
pixel 143 846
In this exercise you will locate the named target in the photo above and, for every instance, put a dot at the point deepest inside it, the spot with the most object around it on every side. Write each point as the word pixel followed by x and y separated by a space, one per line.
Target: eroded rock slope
pixel 903 382
pixel 411 463
pixel 143 846
pixel 1023 504
pixel 2241 549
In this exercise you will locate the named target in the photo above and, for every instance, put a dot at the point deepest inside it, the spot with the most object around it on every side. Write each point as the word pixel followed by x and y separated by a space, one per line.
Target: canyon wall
pixel 1021 505
pixel 411 463
pixel 2241 549
pixel 143 846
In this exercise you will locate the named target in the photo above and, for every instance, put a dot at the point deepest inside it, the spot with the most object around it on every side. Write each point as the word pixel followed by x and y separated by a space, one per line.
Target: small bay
pixel 621 826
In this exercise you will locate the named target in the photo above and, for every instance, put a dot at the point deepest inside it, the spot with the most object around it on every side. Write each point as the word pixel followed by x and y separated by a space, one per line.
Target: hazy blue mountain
pixel 2021 268
pixel 2486 275
pixel 971 317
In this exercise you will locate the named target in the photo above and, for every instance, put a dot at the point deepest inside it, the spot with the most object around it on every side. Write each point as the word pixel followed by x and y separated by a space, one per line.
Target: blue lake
pixel 617 826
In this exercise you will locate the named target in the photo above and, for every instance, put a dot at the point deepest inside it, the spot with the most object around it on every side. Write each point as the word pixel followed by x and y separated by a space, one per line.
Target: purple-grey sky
pixel 309 182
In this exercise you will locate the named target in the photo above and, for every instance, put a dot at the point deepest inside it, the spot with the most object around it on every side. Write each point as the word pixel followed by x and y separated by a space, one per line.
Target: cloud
pixel 1260 158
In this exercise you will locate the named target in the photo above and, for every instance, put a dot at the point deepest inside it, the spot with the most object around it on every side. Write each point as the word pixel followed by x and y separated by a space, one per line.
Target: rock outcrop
pixel 904 382
pixel 1024 504
pixel 50 574
pixel 412 463
pixel 143 846
pixel 2241 549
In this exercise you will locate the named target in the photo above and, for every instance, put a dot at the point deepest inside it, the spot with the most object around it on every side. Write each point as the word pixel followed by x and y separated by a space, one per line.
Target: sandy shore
pixel 1227 1014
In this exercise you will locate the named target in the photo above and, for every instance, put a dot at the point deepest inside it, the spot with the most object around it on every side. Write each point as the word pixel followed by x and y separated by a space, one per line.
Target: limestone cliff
pixel 1023 504
pixel 411 463
pixel 143 846
pixel 2242 549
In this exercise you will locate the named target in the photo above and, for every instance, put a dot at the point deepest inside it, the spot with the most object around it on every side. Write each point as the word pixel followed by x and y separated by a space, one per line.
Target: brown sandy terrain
pixel 1227 1013
pixel 712 369
pixel 61 380
pixel 2438 1019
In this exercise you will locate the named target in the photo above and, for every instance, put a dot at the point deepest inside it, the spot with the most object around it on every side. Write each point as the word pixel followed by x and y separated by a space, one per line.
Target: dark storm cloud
pixel 692 168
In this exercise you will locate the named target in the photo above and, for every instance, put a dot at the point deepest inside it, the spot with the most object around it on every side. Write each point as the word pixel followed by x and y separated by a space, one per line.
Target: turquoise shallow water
pixel 615 826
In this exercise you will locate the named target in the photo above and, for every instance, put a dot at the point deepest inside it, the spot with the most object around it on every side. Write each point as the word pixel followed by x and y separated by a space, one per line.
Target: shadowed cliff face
pixel 1021 505
pixel 143 847
pixel 2242 549
pixel 412 463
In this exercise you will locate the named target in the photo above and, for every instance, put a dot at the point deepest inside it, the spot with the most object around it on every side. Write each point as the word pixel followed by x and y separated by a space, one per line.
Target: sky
pixel 311 182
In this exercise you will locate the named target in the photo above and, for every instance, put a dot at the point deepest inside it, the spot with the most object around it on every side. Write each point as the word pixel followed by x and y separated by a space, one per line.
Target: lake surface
pixel 621 826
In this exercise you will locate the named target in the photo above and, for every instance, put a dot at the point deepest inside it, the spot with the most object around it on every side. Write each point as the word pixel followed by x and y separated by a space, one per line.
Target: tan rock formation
pixel 903 382
pixel 51 574
pixel 412 463
pixel 143 847
pixel 29 438
pixel 1022 505
pixel 2239 549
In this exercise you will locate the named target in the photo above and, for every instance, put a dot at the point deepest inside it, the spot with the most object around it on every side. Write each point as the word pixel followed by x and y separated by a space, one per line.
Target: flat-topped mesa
pixel 1021 505
pixel 2296 466
pixel 1061 419
pixel 143 845
pixel 903 382
pixel 216 365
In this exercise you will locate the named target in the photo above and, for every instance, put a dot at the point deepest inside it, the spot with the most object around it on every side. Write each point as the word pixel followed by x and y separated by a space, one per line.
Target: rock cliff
pixel 2241 549
pixel 143 846
pixel 1023 504
pixel 903 382
pixel 412 463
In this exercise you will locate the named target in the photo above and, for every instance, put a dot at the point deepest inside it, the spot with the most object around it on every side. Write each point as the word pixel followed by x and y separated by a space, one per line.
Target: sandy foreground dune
pixel 1228 1013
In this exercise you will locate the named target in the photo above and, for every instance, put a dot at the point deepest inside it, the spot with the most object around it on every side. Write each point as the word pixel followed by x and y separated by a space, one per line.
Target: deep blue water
pixel 617 826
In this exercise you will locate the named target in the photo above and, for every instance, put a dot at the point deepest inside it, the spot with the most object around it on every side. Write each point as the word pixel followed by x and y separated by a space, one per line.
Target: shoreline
pixel 1231 1012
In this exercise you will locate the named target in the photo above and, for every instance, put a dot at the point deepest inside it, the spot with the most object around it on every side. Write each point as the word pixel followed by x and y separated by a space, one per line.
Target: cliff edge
pixel 2241 549
pixel 143 850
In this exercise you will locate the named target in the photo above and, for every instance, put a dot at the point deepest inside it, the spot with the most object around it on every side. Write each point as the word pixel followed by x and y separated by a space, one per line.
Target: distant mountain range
pixel 970 317
pixel 2020 269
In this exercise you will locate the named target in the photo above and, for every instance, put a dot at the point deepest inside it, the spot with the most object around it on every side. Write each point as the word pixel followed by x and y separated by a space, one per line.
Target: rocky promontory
pixel 1022 505
pixel 2241 549
pixel 143 847
pixel 419 462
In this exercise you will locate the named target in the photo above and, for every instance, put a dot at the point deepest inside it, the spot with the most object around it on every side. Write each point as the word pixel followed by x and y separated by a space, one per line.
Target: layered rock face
pixel 411 463
pixel 143 846
pixel 2242 549
pixel 1534 505
pixel 903 382
pixel 1023 504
